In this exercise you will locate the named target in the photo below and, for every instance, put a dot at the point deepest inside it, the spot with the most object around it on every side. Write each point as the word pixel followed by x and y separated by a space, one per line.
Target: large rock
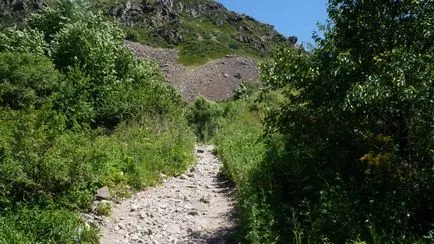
pixel 103 193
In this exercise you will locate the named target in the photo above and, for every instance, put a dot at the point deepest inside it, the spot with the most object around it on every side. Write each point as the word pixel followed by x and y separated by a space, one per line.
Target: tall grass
pixel 240 147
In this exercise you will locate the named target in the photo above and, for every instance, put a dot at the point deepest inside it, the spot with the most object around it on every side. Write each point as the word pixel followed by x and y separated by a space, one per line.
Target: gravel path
pixel 196 207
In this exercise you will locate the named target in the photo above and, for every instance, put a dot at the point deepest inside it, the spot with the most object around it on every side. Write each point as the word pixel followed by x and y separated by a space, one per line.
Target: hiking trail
pixel 196 207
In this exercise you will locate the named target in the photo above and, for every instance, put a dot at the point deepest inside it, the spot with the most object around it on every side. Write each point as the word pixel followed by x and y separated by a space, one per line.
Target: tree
pixel 358 123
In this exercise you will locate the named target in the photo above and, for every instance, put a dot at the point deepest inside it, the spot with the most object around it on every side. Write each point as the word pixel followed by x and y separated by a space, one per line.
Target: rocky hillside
pixel 215 80
pixel 222 45
pixel 199 29
pixel 13 12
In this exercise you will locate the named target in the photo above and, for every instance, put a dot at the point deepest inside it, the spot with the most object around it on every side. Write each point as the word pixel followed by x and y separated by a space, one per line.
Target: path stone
pixel 103 193
pixel 193 208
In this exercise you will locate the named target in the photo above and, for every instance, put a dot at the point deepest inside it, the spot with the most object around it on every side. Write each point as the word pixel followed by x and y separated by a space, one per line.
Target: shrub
pixel 28 40
pixel 27 80
pixel 117 85
pixel 239 141
pixel 241 146
pixel 48 226
pixel 91 43
pixel 142 92
pixel 205 118
pixel 347 154
pixel 74 98
pixel 139 151
pixel 50 21
pixel 40 160
pixel 103 208
pixel 357 127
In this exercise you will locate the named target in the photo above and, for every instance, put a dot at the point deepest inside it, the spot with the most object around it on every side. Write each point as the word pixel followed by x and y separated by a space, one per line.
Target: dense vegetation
pixel 77 112
pixel 346 152
pixel 337 146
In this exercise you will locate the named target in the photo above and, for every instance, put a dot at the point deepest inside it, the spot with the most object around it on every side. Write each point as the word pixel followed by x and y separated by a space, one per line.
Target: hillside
pixel 200 29
pixel 215 80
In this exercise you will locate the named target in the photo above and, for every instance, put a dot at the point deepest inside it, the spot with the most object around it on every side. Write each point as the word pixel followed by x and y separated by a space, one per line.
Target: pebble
pixel 143 215
pixel 193 213
pixel 205 199
pixel 134 208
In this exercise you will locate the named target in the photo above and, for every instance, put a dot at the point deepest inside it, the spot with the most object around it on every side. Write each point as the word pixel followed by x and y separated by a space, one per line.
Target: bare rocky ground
pixel 196 207
pixel 215 80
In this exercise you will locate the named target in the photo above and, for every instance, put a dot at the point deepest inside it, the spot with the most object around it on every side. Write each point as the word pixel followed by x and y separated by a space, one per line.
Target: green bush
pixel 40 160
pixel 92 43
pixel 47 226
pixel 196 52
pixel 241 146
pixel 103 209
pixel 205 117
pixel 28 40
pixel 27 80
pixel 239 141
pixel 120 86
pixel 74 98
pixel 143 91
pixel 357 128
pixel 50 21
pixel 139 151
pixel 347 154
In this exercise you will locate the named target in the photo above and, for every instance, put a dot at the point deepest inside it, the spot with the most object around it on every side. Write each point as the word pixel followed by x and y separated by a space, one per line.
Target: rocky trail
pixel 196 207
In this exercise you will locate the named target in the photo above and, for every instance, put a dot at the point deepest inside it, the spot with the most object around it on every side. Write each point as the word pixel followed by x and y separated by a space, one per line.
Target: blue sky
pixel 289 17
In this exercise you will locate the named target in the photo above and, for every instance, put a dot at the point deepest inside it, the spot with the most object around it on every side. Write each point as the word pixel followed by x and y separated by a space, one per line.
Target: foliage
pixel 357 127
pixel 28 40
pixel 26 80
pixel 103 209
pixel 50 21
pixel 239 142
pixel 48 226
pixel 120 86
pixel 91 42
pixel 205 118
pixel 200 52
pixel 247 89
pixel 347 155
pixel 77 112
pixel 241 146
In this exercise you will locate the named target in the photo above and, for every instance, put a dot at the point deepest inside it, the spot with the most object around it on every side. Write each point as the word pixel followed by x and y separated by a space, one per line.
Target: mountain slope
pixel 216 80
pixel 200 29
